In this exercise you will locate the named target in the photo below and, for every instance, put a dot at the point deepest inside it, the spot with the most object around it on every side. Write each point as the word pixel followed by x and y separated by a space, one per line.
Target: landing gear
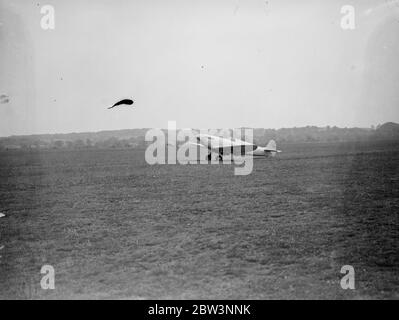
pixel 220 157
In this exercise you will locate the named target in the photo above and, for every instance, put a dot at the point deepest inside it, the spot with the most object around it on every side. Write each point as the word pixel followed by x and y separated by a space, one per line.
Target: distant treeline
pixel 134 138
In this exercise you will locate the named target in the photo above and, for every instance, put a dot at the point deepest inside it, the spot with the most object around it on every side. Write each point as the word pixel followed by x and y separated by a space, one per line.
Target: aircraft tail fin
pixel 271 146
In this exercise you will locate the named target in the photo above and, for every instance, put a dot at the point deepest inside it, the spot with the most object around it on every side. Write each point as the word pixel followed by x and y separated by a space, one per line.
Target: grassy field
pixel 114 227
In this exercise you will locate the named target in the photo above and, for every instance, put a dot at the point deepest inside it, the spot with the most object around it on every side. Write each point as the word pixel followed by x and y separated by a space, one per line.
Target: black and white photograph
pixel 187 150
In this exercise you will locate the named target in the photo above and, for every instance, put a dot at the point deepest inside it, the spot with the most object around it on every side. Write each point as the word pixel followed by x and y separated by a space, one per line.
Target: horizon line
pixel 148 128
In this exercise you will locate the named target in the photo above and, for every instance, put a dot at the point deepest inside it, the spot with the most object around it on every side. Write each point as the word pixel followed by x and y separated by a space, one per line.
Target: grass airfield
pixel 114 227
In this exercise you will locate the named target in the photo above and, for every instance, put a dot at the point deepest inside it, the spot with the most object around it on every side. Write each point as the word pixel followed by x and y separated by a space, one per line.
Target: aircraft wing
pixel 230 145
pixel 197 144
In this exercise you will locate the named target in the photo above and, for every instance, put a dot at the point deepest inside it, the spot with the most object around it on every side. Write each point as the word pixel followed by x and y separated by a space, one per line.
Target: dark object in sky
pixel 124 101
pixel 4 98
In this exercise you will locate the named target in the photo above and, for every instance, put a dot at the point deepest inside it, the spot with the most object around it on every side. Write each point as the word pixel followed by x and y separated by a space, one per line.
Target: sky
pixel 203 64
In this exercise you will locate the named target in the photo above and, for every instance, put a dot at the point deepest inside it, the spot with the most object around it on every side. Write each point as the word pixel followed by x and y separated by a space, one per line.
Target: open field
pixel 114 227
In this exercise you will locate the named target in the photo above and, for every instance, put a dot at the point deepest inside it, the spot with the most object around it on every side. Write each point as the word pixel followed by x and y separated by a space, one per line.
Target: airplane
pixel 219 145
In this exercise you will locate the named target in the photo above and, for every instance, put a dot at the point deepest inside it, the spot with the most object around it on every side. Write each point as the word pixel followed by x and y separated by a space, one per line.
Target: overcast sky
pixel 205 64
